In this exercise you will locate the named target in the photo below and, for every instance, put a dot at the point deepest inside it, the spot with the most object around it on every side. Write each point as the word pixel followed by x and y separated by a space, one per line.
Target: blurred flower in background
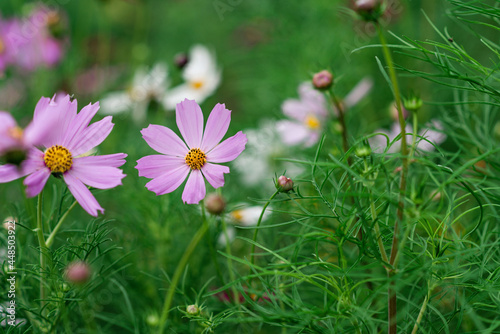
pixel 146 86
pixel 31 42
pixel 308 114
pixel 243 215
pixel 201 78
pixel 259 162
pixel 431 133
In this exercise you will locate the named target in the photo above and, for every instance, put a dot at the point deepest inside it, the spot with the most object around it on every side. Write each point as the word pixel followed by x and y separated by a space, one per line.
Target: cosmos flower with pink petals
pixel 13 138
pixel 69 139
pixel 196 158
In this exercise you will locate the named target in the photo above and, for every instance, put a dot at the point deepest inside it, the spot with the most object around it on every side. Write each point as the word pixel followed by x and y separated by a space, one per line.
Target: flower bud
pixel 395 113
pixel 215 204
pixel 78 272
pixel 413 103
pixel 181 60
pixel 193 310
pixel 9 223
pixel 322 80
pixel 284 184
pixel 369 10
pixel 363 151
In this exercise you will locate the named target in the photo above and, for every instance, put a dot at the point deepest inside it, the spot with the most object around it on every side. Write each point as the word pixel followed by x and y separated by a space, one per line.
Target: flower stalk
pixel 392 309
pixel 252 256
pixel 43 247
pixel 178 273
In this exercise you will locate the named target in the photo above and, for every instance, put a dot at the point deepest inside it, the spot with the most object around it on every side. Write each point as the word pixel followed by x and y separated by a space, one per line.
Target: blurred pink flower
pixel 310 111
pixel 432 134
pixel 308 114
pixel 194 157
pixel 70 138
pixel 30 42
pixel 12 137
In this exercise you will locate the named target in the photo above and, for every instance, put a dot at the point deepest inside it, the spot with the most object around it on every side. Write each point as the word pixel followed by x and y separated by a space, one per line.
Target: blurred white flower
pixel 146 86
pixel 258 163
pixel 431 133
pixel 201 76
pixel 249 216
pixel 244 216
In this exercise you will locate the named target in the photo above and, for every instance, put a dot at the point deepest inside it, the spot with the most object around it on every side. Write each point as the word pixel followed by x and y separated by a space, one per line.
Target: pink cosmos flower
pixel 309 113
pixel 13 138
pixel 431 134
pixel 30 42
pixel 196 157
pixel 63 155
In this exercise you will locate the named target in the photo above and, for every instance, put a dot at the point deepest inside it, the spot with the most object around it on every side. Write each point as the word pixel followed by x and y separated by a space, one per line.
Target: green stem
pixel 415 130
pixel 50 239
pixel 178 273
pixel 252 257
pixel 392 309
pixel 377 232
pixel 43 247
pixel 340 108
pixel 421 313
pixel 230 262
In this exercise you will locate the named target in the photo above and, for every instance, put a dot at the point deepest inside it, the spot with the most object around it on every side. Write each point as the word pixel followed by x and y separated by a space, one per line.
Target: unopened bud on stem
pixel 322 80
pixel 284 184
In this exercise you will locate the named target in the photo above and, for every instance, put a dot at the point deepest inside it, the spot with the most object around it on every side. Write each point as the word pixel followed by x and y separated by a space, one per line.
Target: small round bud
pixel 215 204
pixel 322 80
pixel 78 272
pixel 153 320
pixel 284 184
pixel 395 113
pixel 193 309
pixel 363 151
pixel 413 103
pixel 369 10
pixel 181 60
pixel 9 223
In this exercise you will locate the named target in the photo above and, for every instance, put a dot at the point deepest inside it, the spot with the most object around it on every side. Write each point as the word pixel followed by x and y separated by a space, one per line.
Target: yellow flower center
pixel 2 46
pixel 236 214
pixel 196 158
pixel 197 84
pixel 16 133
pixel 312 122
pixel 53 18
pixel 58 159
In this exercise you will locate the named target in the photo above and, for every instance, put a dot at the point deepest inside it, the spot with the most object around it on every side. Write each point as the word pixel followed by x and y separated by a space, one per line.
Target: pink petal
pixel 60 113
pixel 189 119
pixel 35 182
pixel 229 149
pixel 78 125
pixel 358 92
pixel 295 109
pixel 90 137
pixel 195 190
pixel 152 166
pixel 97 176
pixel 164 140
pixel 292 133
pixel 9 173
pixel 110 160
pixel 217 125
pixel 82 194
pixel 169 180
pixel 215 174
pixel 6 121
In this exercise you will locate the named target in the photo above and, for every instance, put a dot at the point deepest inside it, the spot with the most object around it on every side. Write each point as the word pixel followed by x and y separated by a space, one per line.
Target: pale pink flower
pixel 63 155
pixel 308 113
pixel 196 157
pixel 432 134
